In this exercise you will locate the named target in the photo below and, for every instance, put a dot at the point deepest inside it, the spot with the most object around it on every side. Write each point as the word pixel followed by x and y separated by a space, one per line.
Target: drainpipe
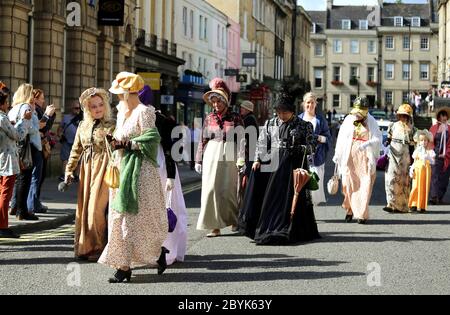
pixel 31 43
pixel 64 71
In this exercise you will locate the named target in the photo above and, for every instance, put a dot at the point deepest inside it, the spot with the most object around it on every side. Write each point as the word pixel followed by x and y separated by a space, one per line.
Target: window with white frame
pixel 406 71
pixel 371 47
pixel 185 21
pixel 424 43
pixel 406 42
pixel 389 71
pixel 191 24
pixel 346 24
pixel 405 97
pixel 388 97
pixel 415 21
pixel 318 78
pixel 354 73
pixel 318 49
pixel 354 46
pixel 336 100
pixel 337 46
pixel 218 36
pixel 398 21
pixel 371 74
pixel 389 42
pixel 424 71
pixel 336 73
pixel 200 27
pixel 363 24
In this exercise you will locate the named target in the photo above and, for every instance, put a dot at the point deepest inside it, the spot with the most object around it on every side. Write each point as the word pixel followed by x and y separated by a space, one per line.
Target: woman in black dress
pixel 282 145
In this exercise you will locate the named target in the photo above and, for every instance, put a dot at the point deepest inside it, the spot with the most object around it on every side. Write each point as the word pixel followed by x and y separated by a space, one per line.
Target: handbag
pixel 171 216
pixel 383 162
pixel 25 157
pixel 313 183
pixel 333 183
pixel 112 174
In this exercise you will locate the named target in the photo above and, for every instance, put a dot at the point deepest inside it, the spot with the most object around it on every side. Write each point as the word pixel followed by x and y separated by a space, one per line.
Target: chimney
pixel 329 4
pixel 380 3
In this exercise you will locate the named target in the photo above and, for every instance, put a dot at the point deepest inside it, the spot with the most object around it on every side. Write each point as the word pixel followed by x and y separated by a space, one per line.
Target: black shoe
pixel 349 218
pixel 8 233
pixel 360 221
pixel 162 263
pixel 388 209
pixel 423 211
pixel 413 209
pixel 27 217
pixel 120 276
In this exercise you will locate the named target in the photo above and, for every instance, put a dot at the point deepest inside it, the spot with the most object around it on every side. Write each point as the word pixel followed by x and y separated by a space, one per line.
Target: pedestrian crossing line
pixel 47 235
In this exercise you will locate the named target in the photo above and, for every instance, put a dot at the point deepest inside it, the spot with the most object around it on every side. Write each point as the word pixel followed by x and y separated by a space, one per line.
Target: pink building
pixel 233 54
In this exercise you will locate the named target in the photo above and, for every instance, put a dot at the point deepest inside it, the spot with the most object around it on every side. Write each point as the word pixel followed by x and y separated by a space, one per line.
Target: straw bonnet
pixel 425 133
pixel 220 90
pixel 248 105
pixel 127 83
pixel 443 109
pixel 405 109
pixel 360 107
pixel 93 92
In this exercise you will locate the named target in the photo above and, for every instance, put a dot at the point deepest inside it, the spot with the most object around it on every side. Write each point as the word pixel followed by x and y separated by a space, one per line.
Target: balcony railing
pixel 153 42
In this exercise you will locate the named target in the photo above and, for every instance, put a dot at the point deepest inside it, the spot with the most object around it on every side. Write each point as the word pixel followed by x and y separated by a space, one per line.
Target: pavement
pixel 62 206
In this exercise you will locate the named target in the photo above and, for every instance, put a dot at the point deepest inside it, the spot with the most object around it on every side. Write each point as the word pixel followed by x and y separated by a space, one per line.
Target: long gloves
pixel 170 184
pixel 198 168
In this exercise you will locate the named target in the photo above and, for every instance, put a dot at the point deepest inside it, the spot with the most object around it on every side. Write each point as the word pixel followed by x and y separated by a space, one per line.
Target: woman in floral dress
pixel 138 223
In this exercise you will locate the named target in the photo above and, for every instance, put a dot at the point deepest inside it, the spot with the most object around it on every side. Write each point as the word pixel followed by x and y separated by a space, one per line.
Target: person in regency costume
pixel 323 137
pixel 283 146
pixel 441 168
pixel 89 150
pixel 421 171
pixel 176 242
pixel 397 182
pixel 138 224
pixel 357 150
pixel 219 158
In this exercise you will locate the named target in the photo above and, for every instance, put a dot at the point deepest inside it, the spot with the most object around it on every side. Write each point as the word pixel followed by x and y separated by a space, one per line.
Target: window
pixel 200 31
pixel 371 74
pixel 199 68
pixel 415 21
pixel 398 21
pixel 313 29
pixel 406 42
pixel 346 25
pixel 336 100
pixel 354 47
pixel 318 49
pixel 371 47
pixel 205 30
pixel 352 99
pixel 363 24
pixel 337 46
pixel 185 22
pixel 318 78
pixel 191 26
pixel 354 73
pixel 424 43
pixel 218 36
pixel 337 73
pixel 424 71
pixel 223 37
pixel 406 71
pixel 405 97
pixel 389 42
pixel 389 71
pixel 388 97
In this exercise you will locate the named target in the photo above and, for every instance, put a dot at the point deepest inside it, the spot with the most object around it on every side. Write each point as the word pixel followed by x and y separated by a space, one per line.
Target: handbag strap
pixel 336 170
pixel 109 150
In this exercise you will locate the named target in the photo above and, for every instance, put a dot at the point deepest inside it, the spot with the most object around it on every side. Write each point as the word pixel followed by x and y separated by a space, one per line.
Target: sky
pixel 311 5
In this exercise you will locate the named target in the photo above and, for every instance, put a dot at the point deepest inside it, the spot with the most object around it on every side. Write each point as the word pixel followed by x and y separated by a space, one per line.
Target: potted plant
pixel 337 82
pixel 372 83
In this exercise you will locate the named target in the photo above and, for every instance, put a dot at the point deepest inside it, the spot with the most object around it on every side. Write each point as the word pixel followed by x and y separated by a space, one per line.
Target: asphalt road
pixel 394 254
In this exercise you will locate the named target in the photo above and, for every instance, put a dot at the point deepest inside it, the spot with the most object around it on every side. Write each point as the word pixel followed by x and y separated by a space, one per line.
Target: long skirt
pixel 318 196
pixel 135 240
pixel 439 180
pixel 274 226
pixel 357 183
pixel 397 181
pixel 421 185
pixel 176 242
pixel 219 202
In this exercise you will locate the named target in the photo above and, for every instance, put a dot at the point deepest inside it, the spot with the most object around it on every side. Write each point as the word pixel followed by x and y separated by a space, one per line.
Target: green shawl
pixel 126 200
